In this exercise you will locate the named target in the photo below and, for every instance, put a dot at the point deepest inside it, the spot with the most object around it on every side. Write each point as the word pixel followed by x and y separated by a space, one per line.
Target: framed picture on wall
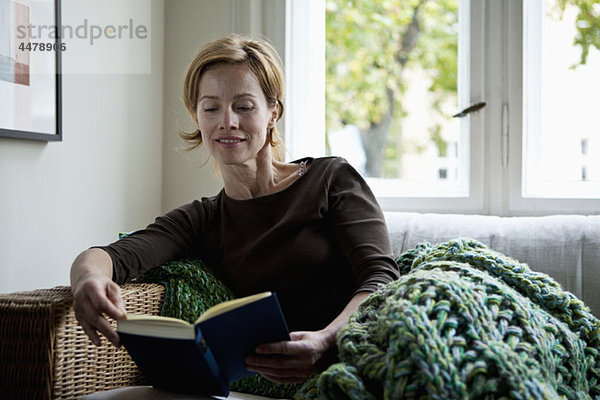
pixel 30 70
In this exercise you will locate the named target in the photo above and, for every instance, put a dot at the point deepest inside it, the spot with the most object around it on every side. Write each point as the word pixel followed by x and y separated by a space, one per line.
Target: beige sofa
pixel 44 354
pixel 566 247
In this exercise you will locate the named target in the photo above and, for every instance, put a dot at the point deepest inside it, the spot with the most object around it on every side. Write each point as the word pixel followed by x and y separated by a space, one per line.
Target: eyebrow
pixel 237 96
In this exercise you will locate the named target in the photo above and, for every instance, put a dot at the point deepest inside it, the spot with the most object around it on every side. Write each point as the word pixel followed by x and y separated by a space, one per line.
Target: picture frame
pixel 30 70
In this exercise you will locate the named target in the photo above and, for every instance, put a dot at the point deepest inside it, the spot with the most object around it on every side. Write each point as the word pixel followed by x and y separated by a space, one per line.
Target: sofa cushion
pixel 566 247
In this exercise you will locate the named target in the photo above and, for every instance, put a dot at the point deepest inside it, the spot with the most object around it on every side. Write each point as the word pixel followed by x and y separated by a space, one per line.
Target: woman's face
pixel 233 114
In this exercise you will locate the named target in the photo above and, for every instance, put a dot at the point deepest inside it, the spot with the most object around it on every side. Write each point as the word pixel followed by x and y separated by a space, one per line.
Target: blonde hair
pixel 263 61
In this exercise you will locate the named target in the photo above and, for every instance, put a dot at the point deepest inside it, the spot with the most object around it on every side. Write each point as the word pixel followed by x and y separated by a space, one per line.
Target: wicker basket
pixel 44 353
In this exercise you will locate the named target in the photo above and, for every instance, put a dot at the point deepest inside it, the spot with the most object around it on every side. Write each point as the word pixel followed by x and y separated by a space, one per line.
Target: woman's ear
pixel 274 115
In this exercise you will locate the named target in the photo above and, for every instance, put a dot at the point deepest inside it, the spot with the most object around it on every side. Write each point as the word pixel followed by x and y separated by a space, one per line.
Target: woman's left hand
pixel 291 361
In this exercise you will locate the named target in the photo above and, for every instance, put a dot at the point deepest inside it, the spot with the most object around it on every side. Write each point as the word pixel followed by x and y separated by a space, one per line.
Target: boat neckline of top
pixel 309 160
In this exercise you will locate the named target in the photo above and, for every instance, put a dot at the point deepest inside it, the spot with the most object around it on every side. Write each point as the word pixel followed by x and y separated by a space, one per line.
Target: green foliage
pixel 367 51
pixel 369 43
pixel 587 24
pixel 364 42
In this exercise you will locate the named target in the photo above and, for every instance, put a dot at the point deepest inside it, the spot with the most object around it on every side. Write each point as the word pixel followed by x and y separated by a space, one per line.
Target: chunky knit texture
pixel 462 322
pixel 465 322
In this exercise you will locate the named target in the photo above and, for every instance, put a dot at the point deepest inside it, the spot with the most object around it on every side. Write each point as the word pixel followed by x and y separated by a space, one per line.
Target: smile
pixel 229 141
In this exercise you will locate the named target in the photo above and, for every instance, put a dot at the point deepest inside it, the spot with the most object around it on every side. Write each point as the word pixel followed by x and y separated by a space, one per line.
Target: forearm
pixel 332 329
pixel 91 262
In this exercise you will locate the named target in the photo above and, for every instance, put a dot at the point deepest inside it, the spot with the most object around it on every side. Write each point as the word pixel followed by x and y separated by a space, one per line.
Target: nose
pixel 229 120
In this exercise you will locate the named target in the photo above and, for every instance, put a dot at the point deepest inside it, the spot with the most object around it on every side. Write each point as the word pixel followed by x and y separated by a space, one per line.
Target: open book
pixel 205 357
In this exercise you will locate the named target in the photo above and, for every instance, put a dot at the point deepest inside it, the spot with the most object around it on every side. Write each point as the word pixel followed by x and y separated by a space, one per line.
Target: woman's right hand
pixel 96 296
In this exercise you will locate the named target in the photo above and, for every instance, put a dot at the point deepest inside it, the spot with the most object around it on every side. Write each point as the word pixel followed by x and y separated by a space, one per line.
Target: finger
pixel 83 316
pixel 114 295
pixel 270 348
pixel 103 304
pixel 90 332
pixel 275 362
pixel 290 348
pixel 282 347
pixel 87 314
pixel 104 327
pixel 92 320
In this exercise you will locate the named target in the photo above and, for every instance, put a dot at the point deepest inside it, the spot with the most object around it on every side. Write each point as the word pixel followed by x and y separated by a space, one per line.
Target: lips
pixel 229 141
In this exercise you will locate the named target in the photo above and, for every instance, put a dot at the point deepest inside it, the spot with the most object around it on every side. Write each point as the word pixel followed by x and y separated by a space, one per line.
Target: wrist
pixel 92 263
pixel 83 275
pixel 329 354
pixel 329 336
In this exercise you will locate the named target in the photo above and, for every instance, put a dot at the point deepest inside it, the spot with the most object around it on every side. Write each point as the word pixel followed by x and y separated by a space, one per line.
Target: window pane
pixel 562 134
pixel 391 90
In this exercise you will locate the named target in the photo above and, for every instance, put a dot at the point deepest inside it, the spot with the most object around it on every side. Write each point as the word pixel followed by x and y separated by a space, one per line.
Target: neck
pixel 258 177
pixel 252 179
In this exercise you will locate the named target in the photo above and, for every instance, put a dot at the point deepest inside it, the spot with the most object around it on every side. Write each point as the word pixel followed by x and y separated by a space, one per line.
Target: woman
pixel 309 230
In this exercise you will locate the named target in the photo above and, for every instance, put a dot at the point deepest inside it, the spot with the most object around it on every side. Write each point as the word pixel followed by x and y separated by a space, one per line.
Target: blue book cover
pixel 233 335
pixel 178 365
pixel 205 357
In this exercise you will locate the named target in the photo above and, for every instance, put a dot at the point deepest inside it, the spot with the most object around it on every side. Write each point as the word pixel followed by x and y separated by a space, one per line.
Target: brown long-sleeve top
pixel 315 243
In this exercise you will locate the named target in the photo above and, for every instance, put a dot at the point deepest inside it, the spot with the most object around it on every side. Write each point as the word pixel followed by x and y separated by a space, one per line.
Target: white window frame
pixel 305 119
pixel 496 132
pixel 517 203
pixel 471 54
pixel 305 78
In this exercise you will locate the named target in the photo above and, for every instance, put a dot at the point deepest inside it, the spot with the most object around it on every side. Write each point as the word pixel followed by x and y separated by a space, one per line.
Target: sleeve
pixel 170 235
pixel 359 226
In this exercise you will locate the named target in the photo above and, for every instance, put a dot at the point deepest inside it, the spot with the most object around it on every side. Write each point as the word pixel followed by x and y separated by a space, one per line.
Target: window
pixel 491 161
pixel 389 112
pixel 550 95
pixel 561 104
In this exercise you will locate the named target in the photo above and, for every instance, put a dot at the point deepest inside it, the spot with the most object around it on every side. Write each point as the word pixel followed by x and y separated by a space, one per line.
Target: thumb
pixel 295 336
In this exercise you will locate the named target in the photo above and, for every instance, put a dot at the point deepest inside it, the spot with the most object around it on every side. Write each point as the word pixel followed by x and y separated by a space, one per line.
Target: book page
pixel 230 305
pixel 156 326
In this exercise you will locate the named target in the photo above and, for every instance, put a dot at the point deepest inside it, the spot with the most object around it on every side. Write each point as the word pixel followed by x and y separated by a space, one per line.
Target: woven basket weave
pixel 44 353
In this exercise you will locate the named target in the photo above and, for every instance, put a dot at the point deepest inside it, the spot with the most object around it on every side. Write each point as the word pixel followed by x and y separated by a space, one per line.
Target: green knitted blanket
pixel 463 321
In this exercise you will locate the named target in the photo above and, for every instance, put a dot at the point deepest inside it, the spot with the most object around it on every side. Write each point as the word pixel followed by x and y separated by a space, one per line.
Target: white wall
pixel 57 199
pixel 121 162
pixel 188 25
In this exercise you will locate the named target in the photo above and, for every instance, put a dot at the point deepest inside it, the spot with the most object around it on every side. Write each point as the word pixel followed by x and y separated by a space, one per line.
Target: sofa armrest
pixel 44 353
